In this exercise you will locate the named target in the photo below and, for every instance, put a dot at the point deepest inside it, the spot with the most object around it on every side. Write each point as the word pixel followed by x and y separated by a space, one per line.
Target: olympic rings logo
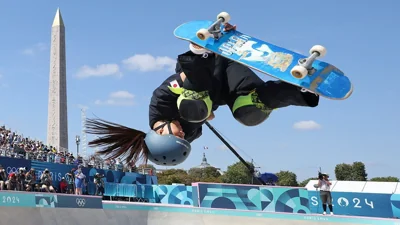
pixel 11 170
pixel 80 202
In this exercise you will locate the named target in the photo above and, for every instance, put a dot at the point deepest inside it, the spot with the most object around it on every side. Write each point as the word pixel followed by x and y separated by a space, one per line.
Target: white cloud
pixel 101 70
pixel 119 98
pixel 122 94
pixel 39 47
pixel 307 125
pixel 148 63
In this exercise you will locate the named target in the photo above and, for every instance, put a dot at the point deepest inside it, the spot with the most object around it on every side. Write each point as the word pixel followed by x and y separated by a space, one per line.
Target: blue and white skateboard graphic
pixel 286 65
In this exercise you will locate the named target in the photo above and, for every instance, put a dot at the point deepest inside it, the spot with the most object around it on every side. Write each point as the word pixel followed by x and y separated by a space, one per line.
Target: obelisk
pixel 57 118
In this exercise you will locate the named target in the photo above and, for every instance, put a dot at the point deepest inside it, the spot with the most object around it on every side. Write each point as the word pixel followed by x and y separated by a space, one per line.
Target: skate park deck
pixel 121 213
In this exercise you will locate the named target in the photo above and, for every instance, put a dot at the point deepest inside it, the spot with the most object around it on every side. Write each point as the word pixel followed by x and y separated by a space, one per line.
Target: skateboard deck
pixel 278 62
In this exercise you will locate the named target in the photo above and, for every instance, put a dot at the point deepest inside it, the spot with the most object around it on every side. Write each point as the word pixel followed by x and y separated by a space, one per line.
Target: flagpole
pixel 250 168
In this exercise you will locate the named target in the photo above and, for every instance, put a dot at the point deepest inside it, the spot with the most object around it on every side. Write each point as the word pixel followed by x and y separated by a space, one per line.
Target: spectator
pixel 71 179
pixel 47 181
pixel 3 178
pixel 79 180
pixel 98 180
pixel 12 183
pixel 63 185
pixel 30 179
pixel 21 178
pixel 325 192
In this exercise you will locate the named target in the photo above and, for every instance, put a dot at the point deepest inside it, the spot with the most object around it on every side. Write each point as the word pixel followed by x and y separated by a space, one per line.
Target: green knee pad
pixel 249 110
pixel 193 106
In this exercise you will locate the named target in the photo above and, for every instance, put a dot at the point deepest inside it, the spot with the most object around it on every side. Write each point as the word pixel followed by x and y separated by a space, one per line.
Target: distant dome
pixel 204 163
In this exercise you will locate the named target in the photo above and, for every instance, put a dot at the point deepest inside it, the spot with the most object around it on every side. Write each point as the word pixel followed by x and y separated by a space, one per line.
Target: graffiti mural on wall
pixel 172 194
pixel 166 194
pixel 272 199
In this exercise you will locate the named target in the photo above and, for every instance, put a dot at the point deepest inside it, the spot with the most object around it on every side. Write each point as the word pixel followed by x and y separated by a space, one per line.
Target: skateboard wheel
pixel 203 34
pixel 225 16
pixel 321 50
pixel 299 72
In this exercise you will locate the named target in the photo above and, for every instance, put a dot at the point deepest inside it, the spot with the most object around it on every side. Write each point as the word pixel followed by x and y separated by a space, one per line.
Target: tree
pixel 343 172
pixel 208 174
pixel 354 172
pixel 359 171
pixel 385 179
pixel 305 182
pixel 237 173
pixel 287 178
pixel 174 176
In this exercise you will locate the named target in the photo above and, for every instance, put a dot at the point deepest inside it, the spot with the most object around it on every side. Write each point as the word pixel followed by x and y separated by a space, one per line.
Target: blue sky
pixel 127 48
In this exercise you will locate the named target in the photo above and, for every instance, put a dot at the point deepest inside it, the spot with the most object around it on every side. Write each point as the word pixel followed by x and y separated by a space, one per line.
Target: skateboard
pixel 306 72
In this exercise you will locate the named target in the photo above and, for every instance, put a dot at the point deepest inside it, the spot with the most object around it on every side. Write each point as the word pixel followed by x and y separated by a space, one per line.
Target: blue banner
pixel 67 201
pixel 395 200
pixel 11 165
pixel 79 201
pixel 17 199
pixel 355 204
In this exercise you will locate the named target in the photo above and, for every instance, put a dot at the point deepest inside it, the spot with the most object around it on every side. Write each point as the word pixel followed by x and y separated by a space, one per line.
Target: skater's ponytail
pixel 117 141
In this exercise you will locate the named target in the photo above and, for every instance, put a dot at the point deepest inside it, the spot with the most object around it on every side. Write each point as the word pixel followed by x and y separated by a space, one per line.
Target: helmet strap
pixel 163 124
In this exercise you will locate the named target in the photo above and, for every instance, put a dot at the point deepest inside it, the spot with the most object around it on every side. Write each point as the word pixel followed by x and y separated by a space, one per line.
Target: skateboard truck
pixel 215 28
pixel 304 66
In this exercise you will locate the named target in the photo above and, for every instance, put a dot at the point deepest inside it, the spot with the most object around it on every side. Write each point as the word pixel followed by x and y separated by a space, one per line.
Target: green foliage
pixel 359 171
pixel 385 179
pixel 208 174
pixel 287 178
pixel 305 182
pixel 354 172
pixel 237 173
pixel 174 176
pixel 146 166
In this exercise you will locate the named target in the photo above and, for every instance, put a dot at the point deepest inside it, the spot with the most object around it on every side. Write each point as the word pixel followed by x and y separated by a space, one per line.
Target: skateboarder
pixel 184 101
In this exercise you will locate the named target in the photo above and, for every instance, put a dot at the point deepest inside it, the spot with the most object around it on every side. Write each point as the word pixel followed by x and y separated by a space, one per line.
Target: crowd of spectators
pixel 15 145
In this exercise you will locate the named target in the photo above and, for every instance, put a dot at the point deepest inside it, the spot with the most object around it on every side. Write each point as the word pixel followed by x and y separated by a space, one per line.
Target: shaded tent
pixel 269 178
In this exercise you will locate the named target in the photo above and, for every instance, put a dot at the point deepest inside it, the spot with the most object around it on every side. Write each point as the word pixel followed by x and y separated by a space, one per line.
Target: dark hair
pixel 117 140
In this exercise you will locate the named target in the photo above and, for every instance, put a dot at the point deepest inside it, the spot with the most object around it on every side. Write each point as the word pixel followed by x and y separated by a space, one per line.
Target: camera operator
pixel 47 181
pixel 71 178
pixel 30 180
pixel 325 191
pixel 98 180
pixel 21 178
pixel 3 177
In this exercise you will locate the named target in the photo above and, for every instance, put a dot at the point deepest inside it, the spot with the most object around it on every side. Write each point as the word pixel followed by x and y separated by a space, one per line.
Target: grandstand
pixel 16 151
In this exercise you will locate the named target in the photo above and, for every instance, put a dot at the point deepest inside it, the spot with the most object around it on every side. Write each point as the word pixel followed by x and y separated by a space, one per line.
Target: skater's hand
pixel 229 27
pixel 212 116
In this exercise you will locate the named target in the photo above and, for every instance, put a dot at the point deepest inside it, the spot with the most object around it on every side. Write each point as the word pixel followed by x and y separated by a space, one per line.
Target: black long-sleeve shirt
pixel 163 106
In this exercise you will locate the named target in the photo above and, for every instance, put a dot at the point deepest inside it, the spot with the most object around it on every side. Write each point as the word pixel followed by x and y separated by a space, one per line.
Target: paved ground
pixel 67 216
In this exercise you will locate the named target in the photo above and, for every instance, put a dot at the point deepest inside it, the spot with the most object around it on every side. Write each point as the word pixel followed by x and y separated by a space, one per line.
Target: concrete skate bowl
pixel 113 213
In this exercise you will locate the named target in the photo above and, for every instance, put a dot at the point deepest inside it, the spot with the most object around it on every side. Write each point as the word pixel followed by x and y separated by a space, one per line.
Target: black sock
pixel 324 207
pixel 330 208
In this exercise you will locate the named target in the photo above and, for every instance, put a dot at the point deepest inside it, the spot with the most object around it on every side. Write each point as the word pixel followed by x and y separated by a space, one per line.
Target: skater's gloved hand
pixel 229 27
